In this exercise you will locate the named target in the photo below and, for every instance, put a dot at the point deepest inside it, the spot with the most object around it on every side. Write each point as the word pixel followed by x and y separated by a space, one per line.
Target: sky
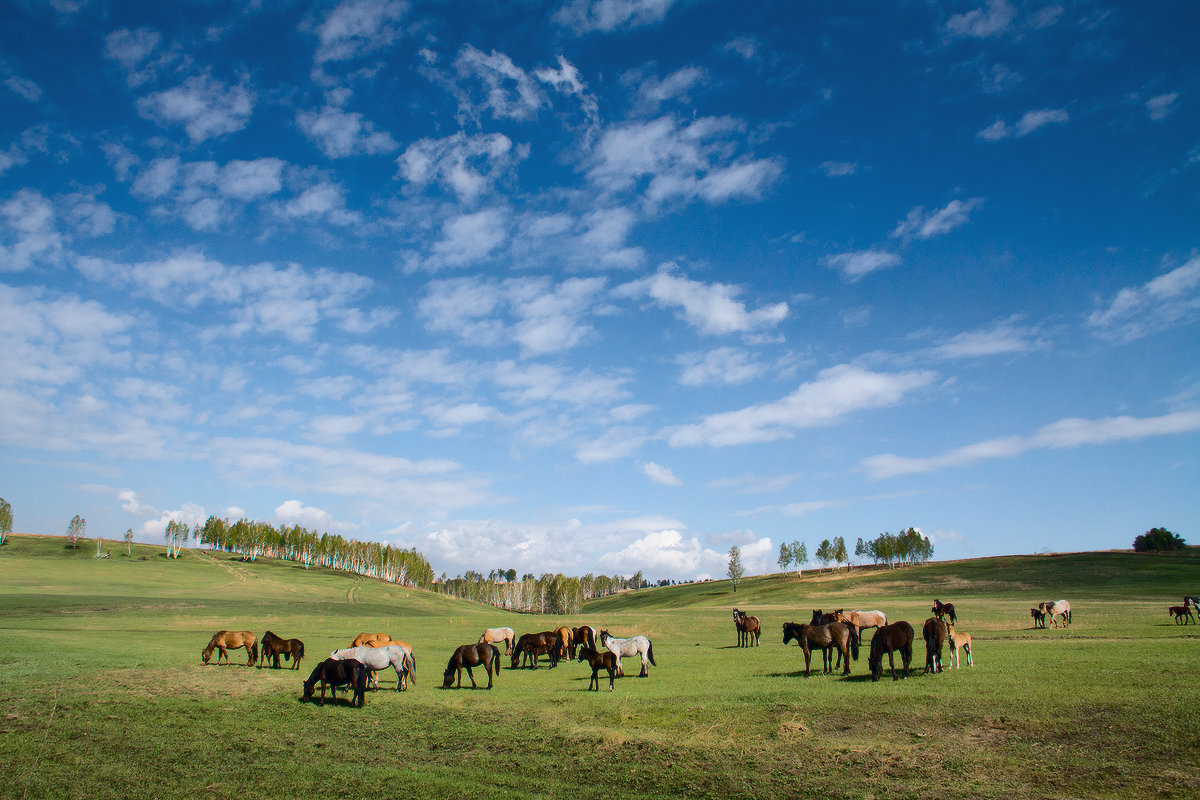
pixel 603 285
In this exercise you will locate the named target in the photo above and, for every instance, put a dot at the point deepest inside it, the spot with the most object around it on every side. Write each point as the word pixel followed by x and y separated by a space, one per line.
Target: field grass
pixel 102 693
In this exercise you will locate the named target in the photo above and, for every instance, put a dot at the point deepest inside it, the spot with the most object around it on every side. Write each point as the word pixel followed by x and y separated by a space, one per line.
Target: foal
pixel 1181 614
pixel 600 661
pixel 959 639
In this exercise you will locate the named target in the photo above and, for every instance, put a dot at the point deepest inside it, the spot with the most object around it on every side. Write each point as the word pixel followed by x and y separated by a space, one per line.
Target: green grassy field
pixel 102 693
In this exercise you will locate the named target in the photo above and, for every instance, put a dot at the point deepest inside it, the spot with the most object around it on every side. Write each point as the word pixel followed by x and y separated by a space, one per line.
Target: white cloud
pixel 508 91
pixel 727 366
pixel 1168 300
pixel 660 474
pixel 838 169
pixel 293 512
pixel 340 133
pixel 1160 107
pixel 920 224
pixel 190 514
pixel 1029 122
pixel 653 92
pixel 132 49
pixel 1002 338
pixel 587 16
pixel 131 505
pixel 855 265
pixel 467 165
pixel 205 107
pixel 29 234
pixel 712 308
pixel 466 240
pixel 983 23
pixel 666 554
pixel 357 28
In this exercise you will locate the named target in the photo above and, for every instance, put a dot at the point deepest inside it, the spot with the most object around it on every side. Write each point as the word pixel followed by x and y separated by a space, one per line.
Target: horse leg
pixel 807 659
pixel 595 679
pixel 970 661
pixel 844 655
pixel 645 667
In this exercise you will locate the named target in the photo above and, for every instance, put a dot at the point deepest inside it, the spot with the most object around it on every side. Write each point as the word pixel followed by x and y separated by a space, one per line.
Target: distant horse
pixel 959 640
pixel 633 646
pixel 748 629
pixel 941 609
pixel 886 641
pixel 821 618
pixel 371 640
pixel 472 655
pixel 599 661
pixel 1181 614
pixel 532 645
pixel 1039 617
pixel 860 619
pixel 274 646
pixel 335 673
pixel 823 637
pixel 585 635
pixel 493 635
pixel 935 633
pixel 566 644
pixel 231 640
pixel 377 658
pixel 1191 600
pixel 1057 610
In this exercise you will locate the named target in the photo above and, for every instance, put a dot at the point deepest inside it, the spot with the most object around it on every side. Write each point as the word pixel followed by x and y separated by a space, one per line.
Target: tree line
pixel 910 546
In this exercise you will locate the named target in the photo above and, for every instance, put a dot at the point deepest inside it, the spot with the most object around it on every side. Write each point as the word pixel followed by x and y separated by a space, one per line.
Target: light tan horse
pixel 231 640
pixel 493 635
pixel 960 639
pixel 371 640
pixel 861 619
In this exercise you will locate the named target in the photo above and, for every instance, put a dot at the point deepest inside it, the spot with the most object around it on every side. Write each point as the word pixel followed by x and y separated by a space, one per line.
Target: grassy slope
pixel 103 693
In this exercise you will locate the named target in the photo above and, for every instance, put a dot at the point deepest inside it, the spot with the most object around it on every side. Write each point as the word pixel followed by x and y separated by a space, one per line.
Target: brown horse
pixel 532 645
pixel 371 640
pixel 819 617
pixel 606 661
pixel 886 641
pixel 585 636
pixel 566 647
pixel 860 619
pixel 936 633
pixel 960 640
pixel 941 609
pixel 748 629
pixel 231 640
pixel 1181 614
pixel 1039 617
pixel 472 655
pixel 493 635
pixel 275 646
pixel 823 637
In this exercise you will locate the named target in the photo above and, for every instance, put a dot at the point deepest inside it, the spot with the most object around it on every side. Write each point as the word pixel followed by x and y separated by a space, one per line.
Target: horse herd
pixel 354 667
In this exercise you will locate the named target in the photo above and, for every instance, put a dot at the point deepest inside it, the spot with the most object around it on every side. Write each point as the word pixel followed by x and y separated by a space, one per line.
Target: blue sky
pixel 603 285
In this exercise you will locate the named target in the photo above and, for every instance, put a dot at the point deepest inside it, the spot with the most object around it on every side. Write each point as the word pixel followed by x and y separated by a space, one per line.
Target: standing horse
pixel 1181 614
pixel 274 646
pixel 935 633
pixel 633 646
pixel 377 658
pixel 886 641
pixel 823 637
pixel 335 673
pixel 585 635
pixel 860 619
pixel 371 640
pixel 493 635
pixel 472 655
pixel 1191 600
pixel 1057 610
pixel 532 645
pixel 599 661
pixel 1039 617
pixel 960 640
pixel 566 643
pixel 748 629
pixel 941 609
pixel 231 640
pixel 821 618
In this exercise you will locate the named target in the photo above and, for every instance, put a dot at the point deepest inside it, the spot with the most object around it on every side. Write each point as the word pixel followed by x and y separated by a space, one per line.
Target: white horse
pixel 493 635
pixel 1059 608
pixel 633 646
pixel 376 658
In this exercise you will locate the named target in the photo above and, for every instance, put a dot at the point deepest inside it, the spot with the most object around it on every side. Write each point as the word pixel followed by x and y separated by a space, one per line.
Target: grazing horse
pixel 566 644
pixel 1181 614
pixel 1059 609
pixel 960 640
pixel 274 646
pixel 935 633
pixel 823 637
pixel 493 635
pixel 532 645
pixel 335 673
pixel 600 661
pixel 748 629
pixel 371 640
pixel 941 609
pixel 224 641
pixel 377 658
pixel 633 646
pixel 585 635
pixel 472 655
pixel 1039 617
pixel 886 641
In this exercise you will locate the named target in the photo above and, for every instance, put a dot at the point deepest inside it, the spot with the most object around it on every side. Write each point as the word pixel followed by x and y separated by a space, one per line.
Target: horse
pixel 941 609
pixel 493 635
pixel 821 618
pixel 371 640
pixel 1191 600
pixel 823 637
pixel 599 661
pixel 472 655
pixel 960 640
pixel 532 645
pixel 935 634
pixel 1058 608
pixel 585 635
pixel 335 673
pixel 566 645
pixel 1181 614
pixel 886 641
pixel 231 640
pixel 858 620
pixel 274 646
pixel 633 646
pixel 1039 617
pixel 377 658
pixel 748 629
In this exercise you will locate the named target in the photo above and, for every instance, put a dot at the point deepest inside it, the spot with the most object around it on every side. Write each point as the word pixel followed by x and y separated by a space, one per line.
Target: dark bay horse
pixel 936 634
pixel 1181 614
pixel 275 646
pixel 585 635
pixel 472 655
pixel 334 673
pixel 748 629
pixel 231 640
pixel 1039 617
pixel 532 645
pixel 886 641
pixel 823 637
pixel 606 661
pixel 819 617
pixel 941 609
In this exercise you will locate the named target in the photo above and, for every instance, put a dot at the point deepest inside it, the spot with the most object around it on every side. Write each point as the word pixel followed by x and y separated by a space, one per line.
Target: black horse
pixel 941 609
pixel 472 655
pixel 349 673
pixel 273 647
pixel 886 641
pixel 935 634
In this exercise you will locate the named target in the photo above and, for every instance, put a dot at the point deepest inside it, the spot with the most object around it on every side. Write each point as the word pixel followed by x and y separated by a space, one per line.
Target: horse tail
pixel 495 658
pixel 254 652
pixel 854 640
pixel 650 652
